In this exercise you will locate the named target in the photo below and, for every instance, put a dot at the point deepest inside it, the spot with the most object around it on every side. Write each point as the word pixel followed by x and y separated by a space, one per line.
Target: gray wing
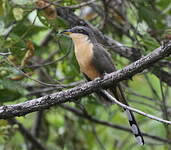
pixel 103 63
pixel 102 60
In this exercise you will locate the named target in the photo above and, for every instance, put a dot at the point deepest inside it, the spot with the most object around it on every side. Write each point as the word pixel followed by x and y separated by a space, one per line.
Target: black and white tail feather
pixel 133 124
pixel 134 127
pixel 116 92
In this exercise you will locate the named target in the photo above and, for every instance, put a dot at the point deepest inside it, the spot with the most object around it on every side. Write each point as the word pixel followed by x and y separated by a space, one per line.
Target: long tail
pixel 118 93
pixel 134 127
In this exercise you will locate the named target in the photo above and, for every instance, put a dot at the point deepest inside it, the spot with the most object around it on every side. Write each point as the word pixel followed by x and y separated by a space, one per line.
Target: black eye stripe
pixel 82 31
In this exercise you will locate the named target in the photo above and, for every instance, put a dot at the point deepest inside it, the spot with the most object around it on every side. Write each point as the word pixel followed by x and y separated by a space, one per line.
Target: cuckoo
pixel 94 62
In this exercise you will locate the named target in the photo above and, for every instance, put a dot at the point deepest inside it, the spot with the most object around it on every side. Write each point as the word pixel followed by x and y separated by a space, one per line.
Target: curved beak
pixel 67 32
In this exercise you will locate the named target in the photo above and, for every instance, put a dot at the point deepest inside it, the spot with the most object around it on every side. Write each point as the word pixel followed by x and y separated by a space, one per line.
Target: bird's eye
pixel 81 31
pixel 78 31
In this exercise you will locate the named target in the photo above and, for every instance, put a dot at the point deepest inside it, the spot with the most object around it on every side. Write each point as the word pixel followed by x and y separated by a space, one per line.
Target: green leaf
pixel 8 95
pixel 18 13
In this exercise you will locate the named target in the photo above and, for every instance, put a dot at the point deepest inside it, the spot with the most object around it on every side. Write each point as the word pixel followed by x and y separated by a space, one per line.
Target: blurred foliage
pixel 29 35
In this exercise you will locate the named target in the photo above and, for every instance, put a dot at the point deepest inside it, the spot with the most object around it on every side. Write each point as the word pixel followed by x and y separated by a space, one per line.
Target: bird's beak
pixel 67 32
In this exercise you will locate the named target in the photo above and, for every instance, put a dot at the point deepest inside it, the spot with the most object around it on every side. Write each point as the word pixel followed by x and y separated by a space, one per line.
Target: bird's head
pixel 79 32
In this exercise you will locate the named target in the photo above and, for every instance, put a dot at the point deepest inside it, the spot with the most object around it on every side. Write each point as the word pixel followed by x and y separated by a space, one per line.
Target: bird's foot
pixel 97 79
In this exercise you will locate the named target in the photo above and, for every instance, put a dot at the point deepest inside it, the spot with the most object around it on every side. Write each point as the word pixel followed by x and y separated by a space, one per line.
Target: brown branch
pixel 85 89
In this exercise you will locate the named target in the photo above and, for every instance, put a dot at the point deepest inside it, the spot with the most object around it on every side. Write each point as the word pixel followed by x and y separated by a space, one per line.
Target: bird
pixel 94 62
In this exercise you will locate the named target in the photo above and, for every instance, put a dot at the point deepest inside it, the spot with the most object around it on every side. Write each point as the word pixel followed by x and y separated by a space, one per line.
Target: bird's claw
pixel 97 79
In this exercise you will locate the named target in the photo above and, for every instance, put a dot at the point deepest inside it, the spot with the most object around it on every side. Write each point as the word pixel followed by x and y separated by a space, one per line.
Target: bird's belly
pixel 84 56
pixel 90 71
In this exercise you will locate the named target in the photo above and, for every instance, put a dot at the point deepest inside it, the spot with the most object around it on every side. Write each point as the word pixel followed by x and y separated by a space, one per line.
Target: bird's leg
pixel 104 74
pixel 100 78
pixel 97 79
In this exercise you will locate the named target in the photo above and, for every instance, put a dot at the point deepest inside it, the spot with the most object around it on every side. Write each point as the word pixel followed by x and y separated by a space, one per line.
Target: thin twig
pixel 97 138
pixel 114 100
pixel 5 54
pixel 130 91
pixel 48 89
pixel 164 109
pixel 40 82
pixel 81 5
pixel 151 87
pixel 105 14
pixel 108 124
pixel 164 104
pixel 45 63
pixel 145 104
